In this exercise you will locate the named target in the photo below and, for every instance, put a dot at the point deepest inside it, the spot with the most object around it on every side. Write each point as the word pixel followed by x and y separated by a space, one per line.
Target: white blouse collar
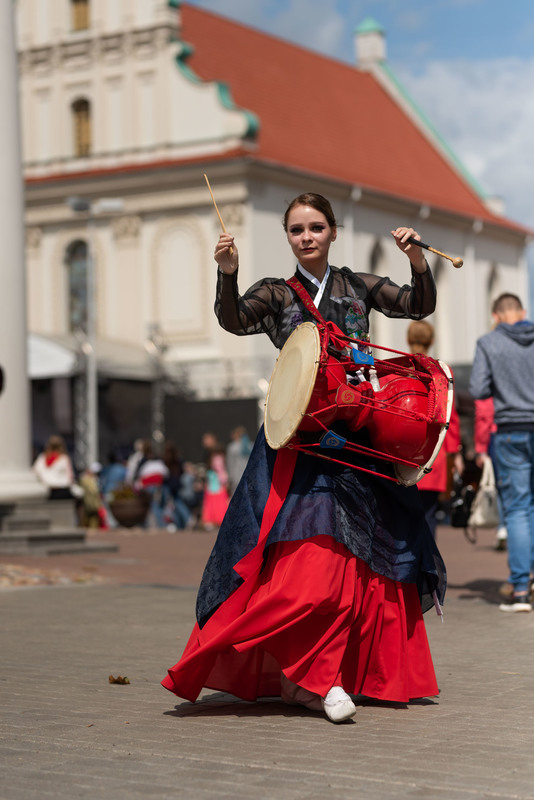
pixel 321 285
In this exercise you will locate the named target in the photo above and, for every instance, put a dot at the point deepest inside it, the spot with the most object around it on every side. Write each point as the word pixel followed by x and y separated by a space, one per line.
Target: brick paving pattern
pixel 68 733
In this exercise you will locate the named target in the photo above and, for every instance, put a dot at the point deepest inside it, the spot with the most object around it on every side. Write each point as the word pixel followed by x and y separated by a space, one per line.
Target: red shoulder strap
pixel 335 334
pixel 297 286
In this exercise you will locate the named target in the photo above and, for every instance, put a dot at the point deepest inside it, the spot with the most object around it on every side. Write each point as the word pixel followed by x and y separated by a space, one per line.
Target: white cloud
pixel 485 113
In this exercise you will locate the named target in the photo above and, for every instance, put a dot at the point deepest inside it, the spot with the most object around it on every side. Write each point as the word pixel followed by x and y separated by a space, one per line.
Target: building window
pixel 76 263
pixel 376 258
pixel 80 14
pixel 438 270
pixel 493 284
pixel 81 118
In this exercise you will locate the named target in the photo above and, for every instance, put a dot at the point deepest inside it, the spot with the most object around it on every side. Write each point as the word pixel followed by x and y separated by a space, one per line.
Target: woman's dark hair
pixel 316 201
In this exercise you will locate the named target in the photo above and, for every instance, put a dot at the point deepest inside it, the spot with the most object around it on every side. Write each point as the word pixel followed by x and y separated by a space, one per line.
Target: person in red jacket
pixel 420 338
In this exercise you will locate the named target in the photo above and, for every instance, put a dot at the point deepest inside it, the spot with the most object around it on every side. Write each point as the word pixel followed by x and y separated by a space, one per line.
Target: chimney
pixel 495 204
pixel 370 43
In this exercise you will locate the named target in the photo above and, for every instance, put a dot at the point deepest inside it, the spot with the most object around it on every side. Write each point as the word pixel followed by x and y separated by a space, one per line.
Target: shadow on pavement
pixel 221 704
pixel 490 591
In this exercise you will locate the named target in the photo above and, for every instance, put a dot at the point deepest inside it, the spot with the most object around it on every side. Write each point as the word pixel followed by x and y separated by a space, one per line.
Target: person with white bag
pixel 485 508
pixel 483 434
pixel 503 368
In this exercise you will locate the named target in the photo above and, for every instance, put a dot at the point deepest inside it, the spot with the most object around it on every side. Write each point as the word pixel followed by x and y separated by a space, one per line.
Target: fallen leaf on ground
pixel 118 679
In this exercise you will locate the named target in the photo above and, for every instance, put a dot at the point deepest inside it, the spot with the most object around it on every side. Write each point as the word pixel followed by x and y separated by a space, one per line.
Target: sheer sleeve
pixel 415 301
pixel 256 311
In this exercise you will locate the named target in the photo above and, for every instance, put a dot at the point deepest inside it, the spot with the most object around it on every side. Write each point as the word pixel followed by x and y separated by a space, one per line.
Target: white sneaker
pixel 337 705
pixel 516 603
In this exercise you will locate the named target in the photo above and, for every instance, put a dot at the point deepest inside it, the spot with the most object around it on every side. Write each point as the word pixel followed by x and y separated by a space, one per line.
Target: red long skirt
pixel 323 618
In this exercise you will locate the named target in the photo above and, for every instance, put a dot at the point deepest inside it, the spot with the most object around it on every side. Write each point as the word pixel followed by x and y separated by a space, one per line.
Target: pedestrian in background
pixel 237 454
pixel 191 492
pixel 503 368
pixel 176 512
pixel 112 476
pixel 150 476
pixel 135 458
pixel 54 469
pixel 215 500
pixel 91 510
pixel 420 338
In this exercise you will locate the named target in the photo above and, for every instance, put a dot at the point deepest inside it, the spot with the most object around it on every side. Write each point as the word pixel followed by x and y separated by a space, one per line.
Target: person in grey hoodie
pixel 503 368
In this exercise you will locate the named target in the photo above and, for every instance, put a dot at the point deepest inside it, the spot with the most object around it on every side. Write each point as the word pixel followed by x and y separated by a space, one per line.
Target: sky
pixel 468 65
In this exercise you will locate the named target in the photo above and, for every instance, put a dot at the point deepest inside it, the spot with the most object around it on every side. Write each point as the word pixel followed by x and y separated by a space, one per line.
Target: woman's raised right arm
pixel 250 313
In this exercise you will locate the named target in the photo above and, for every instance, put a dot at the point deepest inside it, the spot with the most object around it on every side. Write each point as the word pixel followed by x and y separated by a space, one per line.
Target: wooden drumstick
pixel 456 262
pixel 231 250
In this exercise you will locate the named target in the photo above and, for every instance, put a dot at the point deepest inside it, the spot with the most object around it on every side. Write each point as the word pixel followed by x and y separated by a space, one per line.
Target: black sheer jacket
pixel 270 306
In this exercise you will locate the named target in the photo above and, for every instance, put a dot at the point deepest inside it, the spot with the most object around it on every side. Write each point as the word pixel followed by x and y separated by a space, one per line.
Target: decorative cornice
pixel 84 51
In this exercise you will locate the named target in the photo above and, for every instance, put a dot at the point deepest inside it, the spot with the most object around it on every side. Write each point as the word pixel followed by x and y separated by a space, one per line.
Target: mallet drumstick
pixel 456 262
pixel 217 210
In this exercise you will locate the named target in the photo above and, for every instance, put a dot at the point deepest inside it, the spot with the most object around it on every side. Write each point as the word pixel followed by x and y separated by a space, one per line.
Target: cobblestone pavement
pixel 67 732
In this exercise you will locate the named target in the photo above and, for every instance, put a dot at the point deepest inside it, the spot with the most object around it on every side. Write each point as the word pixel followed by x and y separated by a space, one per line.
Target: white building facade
pixel 111 111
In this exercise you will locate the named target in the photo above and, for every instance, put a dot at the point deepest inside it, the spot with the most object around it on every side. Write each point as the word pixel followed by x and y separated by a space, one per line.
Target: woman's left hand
pixel 414 253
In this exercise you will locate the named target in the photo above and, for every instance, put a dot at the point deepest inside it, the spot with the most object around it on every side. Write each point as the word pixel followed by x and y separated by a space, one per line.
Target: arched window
pixel 79 14
pixel 81 120
pixel 379 330
pixel 438 270
pixel 493 283
pixel 376 258
pixel 76 263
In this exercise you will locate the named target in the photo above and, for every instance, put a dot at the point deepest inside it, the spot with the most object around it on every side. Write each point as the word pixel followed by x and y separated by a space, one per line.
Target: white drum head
pixel 291 385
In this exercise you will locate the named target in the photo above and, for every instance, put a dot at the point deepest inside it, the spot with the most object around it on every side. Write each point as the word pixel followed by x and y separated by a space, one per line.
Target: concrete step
pixel 86 547
pixel 53 541
pixel 25 521
pixel 39 513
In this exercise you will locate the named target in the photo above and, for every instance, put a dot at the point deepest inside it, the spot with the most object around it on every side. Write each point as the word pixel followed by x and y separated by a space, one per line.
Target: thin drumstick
pixel 456 262
pixel 231 251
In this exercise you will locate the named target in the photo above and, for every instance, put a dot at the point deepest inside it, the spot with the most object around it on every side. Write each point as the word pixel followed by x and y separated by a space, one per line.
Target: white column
pixel 91 364
pixel 16 478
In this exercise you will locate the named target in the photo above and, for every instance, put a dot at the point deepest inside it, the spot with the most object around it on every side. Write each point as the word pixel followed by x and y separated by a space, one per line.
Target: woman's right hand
pixel 226 254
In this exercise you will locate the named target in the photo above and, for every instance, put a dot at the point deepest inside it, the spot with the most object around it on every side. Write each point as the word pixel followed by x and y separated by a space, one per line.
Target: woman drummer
pixel 317 582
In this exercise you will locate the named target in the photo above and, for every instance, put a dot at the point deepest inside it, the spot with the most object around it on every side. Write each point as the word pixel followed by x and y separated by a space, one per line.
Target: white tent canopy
pixel 61 357
pixel 48 359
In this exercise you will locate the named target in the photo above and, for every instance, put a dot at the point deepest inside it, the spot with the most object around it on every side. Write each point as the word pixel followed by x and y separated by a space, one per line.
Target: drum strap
pixel 297 287
pixel 336 335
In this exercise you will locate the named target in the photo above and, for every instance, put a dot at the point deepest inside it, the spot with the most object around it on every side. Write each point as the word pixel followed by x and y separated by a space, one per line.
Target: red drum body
pixel 319 379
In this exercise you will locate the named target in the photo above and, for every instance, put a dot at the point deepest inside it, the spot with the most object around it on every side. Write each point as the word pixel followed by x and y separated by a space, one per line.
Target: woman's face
pixel 310 237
